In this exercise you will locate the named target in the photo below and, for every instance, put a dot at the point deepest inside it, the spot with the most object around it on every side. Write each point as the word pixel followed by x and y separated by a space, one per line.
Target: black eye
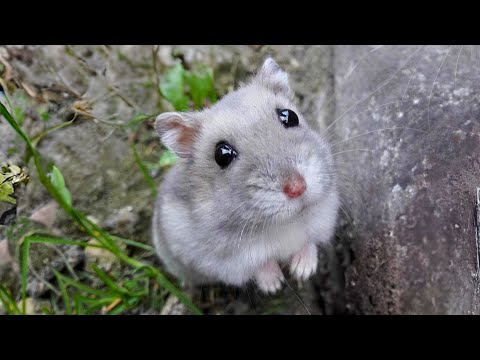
pixel 224 154
pixel 287 117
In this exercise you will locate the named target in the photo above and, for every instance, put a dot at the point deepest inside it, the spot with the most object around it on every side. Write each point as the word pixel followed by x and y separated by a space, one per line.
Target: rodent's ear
pixel 177 132
pixel 274 78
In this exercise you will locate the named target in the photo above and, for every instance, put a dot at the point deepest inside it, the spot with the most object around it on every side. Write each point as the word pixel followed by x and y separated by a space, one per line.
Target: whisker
pixel 374 91
pixel 298 297
pixel 348 75
pixel 374 131
pixel 456 67
pixel 433 86
pixel 250 300
pixel 349 220
pixel 363 112
pixel 351 150
pixel 414 72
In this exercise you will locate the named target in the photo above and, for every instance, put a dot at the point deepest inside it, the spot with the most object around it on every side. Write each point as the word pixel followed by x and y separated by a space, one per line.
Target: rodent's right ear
pixel 274 78
pixel 177 132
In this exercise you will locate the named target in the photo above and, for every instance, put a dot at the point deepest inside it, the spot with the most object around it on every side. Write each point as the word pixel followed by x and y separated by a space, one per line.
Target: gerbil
pixel 254 188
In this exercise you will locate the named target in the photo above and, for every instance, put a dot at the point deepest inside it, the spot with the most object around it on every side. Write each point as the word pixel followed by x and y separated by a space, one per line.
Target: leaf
pixel 168 158
pixel 6 189
pixel 172 87
pixel 14 174
pixel 201 86
pixel 58 183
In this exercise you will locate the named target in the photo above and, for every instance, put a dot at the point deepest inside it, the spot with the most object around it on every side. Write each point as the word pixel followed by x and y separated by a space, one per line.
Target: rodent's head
pixel 252 154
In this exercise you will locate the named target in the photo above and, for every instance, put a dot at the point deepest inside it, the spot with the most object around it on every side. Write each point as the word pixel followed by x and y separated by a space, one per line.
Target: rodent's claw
pixel 269 278
pixel 304 263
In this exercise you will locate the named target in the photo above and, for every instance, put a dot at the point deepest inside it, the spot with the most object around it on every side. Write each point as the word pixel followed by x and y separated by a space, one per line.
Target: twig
pixel 92 71
pixel 64 82
pixel 155 67
pixel 43 280
pixel 62 257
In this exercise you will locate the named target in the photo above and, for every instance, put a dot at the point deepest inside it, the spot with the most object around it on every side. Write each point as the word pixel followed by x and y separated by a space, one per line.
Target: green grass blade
pixel 63 291
pixel 140 281
pixel 16 127
pixel 35 239
pixel 102 301
pixel 83 287
pixel 109 282
pixel 134 243
pixel 78 305
pixel 138 119
pixel 25 251
pixel 144 170
pixel 8 301
pixel 119 309
pixel 38 137
pixel 46 311
pixel 162 281
pixel 96 304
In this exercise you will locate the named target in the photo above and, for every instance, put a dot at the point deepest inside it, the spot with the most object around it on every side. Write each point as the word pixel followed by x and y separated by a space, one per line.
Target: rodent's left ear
pixel 177 132
pixel 274 78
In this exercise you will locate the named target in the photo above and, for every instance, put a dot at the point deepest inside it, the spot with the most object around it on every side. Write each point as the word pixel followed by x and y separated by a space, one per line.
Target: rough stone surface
pixel 410 195
pixel 102 258
pixel 5 257
pixel 173 306
pixel 35 306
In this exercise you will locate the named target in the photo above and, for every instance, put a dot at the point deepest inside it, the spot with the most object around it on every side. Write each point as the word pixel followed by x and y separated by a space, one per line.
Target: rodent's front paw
pixel 303 264
pixel 269 277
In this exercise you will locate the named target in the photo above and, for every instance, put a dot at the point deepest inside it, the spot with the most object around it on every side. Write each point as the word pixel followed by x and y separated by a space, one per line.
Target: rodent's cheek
pixel 267 203
pixel 312 169
pixel 260 180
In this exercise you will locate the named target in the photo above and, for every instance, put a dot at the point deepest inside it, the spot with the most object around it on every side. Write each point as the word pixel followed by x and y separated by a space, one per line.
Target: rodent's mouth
pixel 273 204
pixel 292 212
pixel 303 207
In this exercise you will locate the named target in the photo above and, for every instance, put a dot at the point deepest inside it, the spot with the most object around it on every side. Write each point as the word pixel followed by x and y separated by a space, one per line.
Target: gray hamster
pixel 254 189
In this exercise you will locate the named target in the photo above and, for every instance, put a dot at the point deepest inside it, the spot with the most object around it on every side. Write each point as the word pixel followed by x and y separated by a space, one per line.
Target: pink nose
pixel 294 185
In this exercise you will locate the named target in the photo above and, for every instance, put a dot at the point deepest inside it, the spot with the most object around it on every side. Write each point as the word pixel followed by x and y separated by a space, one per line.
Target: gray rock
pixel 8 140
pixel 5 257
pixel 410 194
pixel 35 306
pixel 102 258
pixel 173 306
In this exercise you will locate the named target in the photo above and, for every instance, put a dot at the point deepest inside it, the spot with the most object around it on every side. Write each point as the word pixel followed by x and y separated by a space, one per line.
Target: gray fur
pixel 225 225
